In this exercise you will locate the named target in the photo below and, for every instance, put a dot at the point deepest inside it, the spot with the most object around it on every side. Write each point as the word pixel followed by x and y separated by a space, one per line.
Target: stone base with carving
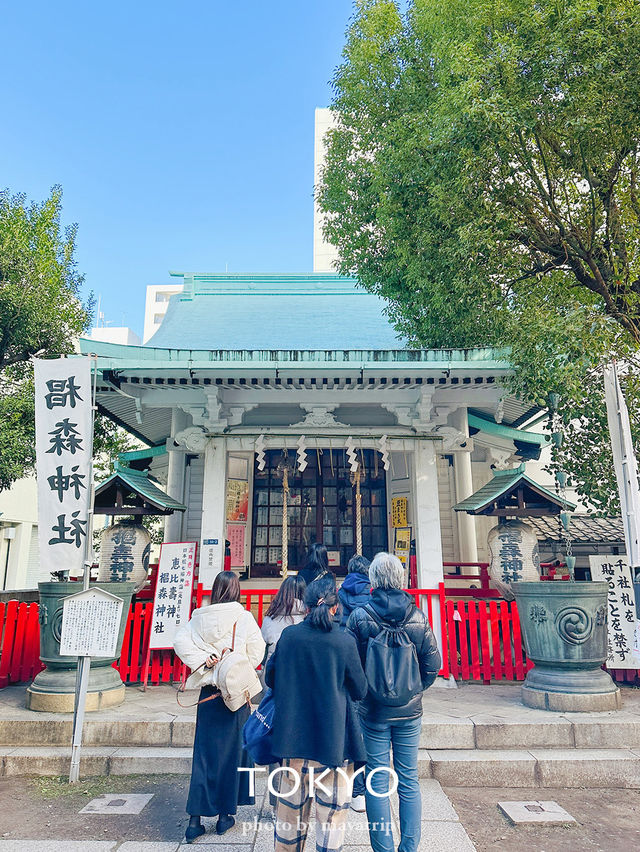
pixel 564 691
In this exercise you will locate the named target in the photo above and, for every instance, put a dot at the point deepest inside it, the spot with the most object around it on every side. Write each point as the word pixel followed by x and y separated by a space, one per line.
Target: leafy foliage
pixel 483 178
pixel 41 313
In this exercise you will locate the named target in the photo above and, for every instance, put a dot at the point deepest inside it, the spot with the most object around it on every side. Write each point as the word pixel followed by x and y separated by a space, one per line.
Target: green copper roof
pixel 118 356
pixel 307 311
pixel 138 483
pixel 140 455
pixel 508 432
pixel 500 488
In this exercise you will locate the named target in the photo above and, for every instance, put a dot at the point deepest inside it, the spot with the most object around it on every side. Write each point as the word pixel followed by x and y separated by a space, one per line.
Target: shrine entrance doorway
pixel 321 507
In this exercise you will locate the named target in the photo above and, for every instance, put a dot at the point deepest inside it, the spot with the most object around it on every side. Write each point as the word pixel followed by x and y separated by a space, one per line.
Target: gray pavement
pixel 253 831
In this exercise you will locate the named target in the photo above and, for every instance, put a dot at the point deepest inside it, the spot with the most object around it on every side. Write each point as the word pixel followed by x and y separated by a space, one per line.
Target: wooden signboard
pixel 90 624
pixel 621 610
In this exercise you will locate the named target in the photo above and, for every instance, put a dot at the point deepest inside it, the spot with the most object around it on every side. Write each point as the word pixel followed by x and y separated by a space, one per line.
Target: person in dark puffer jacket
pixel 383 726
pixel 356 589
pixel 355 592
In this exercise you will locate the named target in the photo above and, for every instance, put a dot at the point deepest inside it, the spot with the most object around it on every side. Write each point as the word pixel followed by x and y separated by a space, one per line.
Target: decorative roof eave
pixel 508 432
pixel 150 499
pixel 505 483
pixel 114 356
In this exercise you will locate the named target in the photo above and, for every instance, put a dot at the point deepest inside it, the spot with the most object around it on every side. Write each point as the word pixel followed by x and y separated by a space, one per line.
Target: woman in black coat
pixel 317 565
pixel 313 672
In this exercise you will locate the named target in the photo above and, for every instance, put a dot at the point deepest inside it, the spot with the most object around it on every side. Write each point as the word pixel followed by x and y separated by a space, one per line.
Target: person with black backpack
pixel 401 659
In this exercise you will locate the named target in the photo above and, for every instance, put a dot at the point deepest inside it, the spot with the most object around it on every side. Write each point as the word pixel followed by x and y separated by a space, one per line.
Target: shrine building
pixel 257 389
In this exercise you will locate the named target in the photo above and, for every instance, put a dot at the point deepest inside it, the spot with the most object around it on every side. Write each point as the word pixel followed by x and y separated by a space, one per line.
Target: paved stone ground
pixel 607 820
pixel 43 815
pixel 498 703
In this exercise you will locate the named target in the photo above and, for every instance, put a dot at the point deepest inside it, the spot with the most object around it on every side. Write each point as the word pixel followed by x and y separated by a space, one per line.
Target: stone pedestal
pixel 53 689
pixel 564 628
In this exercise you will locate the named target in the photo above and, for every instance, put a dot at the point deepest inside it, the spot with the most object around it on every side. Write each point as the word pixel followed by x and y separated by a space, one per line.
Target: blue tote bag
pixel 258 730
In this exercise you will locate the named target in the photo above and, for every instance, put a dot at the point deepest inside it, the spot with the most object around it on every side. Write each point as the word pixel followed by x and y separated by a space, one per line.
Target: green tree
pixel 41 313
pixel 483 178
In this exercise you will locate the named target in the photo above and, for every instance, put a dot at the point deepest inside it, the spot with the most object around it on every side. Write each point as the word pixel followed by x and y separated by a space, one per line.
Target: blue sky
pixel 181 133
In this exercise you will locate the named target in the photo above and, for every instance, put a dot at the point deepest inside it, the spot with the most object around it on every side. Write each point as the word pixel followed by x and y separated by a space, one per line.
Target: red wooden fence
pixel 19 642
pixel 481 640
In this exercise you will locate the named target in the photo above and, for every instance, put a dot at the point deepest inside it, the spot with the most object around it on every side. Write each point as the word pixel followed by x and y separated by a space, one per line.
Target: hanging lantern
pixel 124 554
pixel 513 547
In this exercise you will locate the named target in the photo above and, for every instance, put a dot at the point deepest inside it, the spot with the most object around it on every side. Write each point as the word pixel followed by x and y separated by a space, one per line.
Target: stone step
pixel 550 730
pixel 536 767
pixel 442 733
pixel 172 732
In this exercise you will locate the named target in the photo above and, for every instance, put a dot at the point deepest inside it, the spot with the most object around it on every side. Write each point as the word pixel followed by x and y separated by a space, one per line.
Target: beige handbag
pixel 237 680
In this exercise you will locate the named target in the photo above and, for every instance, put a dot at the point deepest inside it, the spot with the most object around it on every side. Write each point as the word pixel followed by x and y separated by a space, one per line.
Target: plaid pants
pixel 293 811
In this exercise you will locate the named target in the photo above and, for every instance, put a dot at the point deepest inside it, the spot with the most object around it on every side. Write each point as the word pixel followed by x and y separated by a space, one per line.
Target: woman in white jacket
pixel 286 608
pixel 217 788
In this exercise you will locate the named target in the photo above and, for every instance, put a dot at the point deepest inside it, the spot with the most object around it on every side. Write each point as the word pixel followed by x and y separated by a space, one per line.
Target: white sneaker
pixel 358 804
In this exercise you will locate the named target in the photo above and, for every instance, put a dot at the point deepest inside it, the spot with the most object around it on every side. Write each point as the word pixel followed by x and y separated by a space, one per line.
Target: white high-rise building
pixel 324 254
pixel 156 305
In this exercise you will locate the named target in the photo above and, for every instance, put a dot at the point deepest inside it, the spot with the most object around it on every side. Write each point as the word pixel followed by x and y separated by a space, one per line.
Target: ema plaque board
pixel 90 624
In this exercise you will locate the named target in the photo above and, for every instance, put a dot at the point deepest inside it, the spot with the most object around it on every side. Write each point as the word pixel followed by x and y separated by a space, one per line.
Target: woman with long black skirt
pixel 217 788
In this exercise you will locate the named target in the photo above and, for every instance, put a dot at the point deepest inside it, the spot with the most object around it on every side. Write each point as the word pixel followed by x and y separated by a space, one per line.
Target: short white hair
pixel 386 572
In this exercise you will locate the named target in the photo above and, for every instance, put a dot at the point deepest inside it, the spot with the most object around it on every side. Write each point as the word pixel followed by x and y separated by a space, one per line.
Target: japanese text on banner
pixel 63 460
pixel 172 600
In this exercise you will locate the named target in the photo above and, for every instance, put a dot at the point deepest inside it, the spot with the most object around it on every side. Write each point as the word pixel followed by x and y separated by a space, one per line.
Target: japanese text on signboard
pixel 91 624
pixel 63 456
pixel 399 511
pixel 172 600
pixel 621 610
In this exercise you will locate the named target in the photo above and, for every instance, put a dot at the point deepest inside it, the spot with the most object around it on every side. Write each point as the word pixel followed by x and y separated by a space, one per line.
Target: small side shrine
pixel 125 546
pixel 133 492
pixel 511 495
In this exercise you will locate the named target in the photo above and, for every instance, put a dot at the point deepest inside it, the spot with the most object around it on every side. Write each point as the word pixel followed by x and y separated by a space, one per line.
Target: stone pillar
pixel 427 524
pixel 19 545
pixel 427 515
pixel 175 478
pixel 213 507
pixel 467 542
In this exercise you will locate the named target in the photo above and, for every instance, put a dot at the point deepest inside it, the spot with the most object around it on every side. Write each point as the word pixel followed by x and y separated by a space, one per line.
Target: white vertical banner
pixel 63 460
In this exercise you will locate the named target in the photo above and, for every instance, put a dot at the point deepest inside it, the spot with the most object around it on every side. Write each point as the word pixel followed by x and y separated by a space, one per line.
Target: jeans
pixel 403 736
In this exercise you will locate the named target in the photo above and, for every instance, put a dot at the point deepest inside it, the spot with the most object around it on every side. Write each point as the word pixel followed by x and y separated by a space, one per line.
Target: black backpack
pixel 391 665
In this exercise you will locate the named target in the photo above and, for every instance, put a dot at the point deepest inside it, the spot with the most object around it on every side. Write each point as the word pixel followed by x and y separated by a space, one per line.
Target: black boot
pixel 194 829
pixel 225 822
